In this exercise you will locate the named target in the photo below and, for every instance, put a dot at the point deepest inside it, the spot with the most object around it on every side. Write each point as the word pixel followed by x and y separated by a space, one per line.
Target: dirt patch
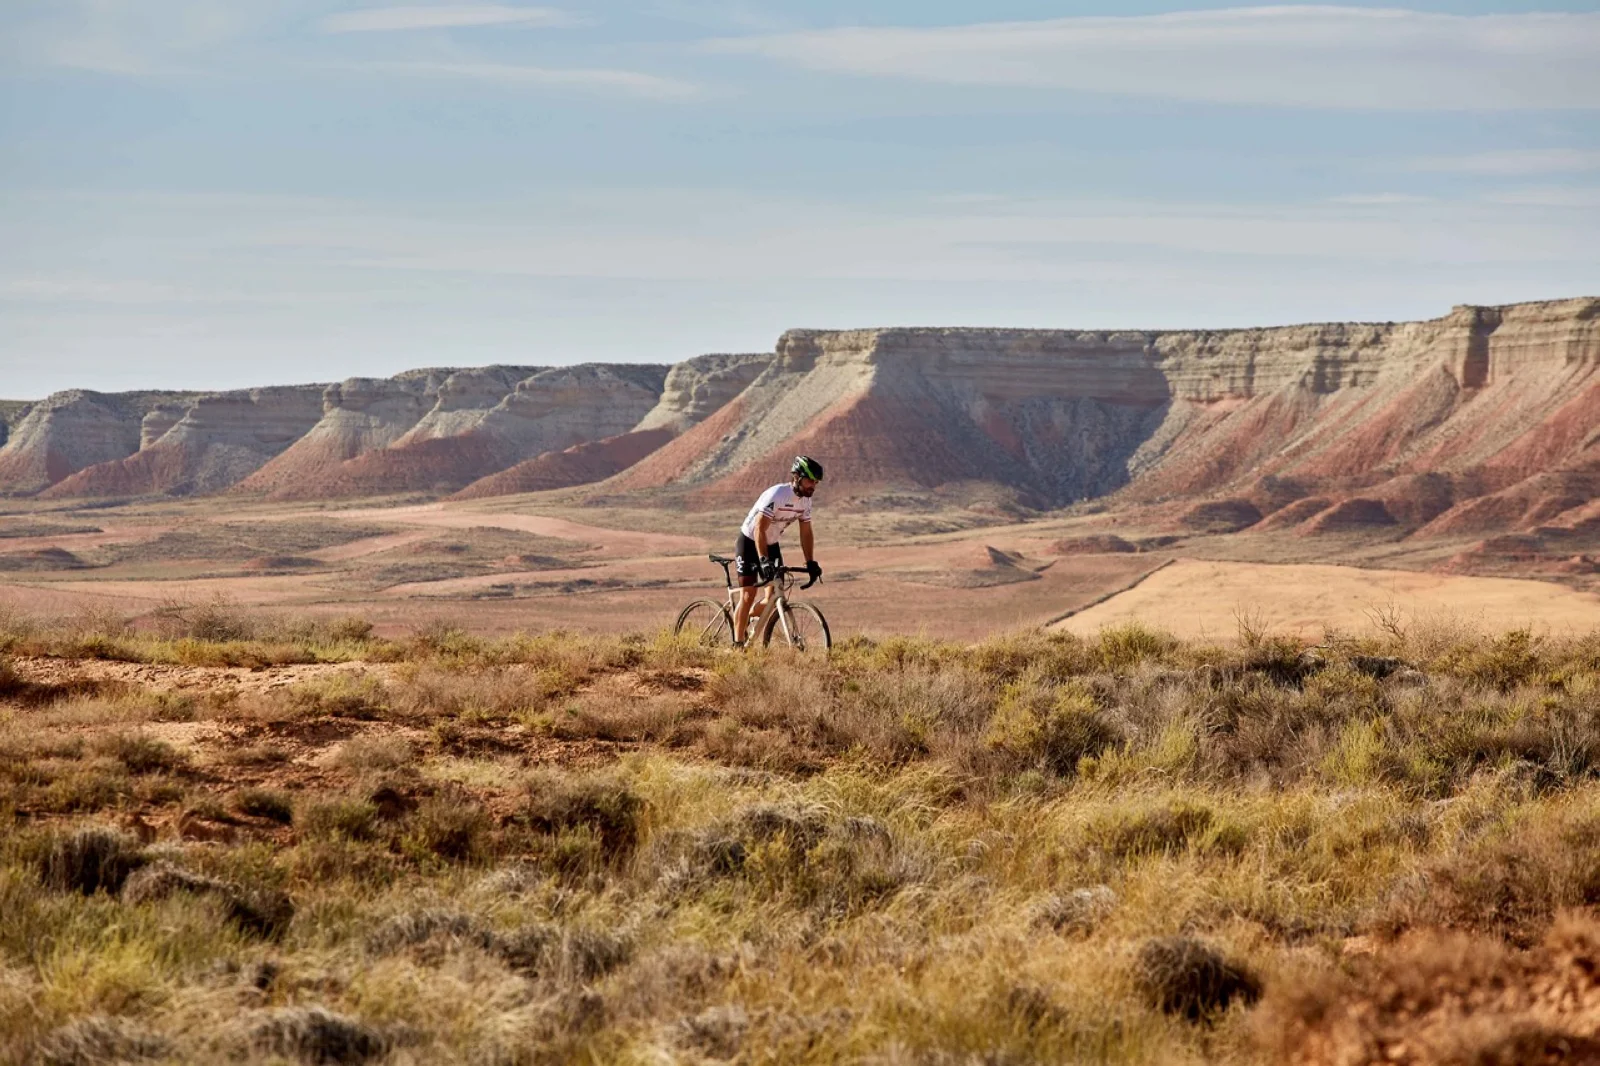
pixel 1446 998
pixel 42 559
pixel 1221 516
pixel 1357 515
pixel 81 674
pixel 1097 544
pixel 986 567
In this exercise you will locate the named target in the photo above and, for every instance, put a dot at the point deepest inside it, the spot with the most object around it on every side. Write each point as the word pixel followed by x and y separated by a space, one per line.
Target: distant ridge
pixel 1483 422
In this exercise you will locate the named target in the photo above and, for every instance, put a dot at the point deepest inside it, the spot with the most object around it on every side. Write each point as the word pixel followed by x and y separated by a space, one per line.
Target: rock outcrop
pixel 219 439
pixel 68 431
pixel 693 390
pixel 485 421
pixel 1480 423
pixel 1411 424
pixel 359 415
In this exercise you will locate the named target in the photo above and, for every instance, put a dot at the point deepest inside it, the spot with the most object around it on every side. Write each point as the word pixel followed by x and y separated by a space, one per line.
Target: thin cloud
pixel 1514 162
pixel 1379 199
pixel 601 79
pixel 388 19
pixel 130 37
pixel 1312 57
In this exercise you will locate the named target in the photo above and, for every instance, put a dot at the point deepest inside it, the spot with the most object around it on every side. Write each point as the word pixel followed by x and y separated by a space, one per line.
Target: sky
pixel 210 194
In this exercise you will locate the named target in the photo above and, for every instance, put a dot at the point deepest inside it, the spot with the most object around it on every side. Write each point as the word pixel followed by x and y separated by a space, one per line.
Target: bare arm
pixel 806 540
pixel 763 523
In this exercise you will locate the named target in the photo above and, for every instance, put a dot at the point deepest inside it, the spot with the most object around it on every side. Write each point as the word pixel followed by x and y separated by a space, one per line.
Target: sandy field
pixel 491 570
pixel 1204 599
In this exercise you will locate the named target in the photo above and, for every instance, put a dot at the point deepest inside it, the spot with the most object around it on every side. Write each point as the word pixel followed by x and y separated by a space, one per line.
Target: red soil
pixel 157 469
pixel 438 464
pixel 581 464
pixel 1357 515
pixel 1296 513
pixel 1221 516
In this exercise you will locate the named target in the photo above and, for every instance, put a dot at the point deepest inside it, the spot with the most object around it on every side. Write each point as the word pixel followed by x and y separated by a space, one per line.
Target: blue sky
pixel 218 193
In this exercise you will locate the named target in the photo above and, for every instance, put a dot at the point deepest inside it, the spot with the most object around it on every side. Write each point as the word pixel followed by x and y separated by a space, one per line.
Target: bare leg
pixel 741 613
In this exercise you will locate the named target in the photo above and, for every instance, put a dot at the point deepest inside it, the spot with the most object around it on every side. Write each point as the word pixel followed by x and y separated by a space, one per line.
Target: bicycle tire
pixel 810 629
pixel 707 621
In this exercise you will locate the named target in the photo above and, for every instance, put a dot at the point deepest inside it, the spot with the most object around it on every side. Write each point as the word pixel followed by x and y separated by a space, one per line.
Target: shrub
pixel 338 818
pixel 320 1037
pixel 612 810
pixel 451 827
pixel 142 754
pixel 91 860
pixel 1047 727
pixel 1184 977
pixel 98 1039
pixel 269 803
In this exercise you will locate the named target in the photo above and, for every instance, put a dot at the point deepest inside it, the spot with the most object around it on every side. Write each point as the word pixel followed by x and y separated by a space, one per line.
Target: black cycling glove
pixel 814 570
pixel 767 568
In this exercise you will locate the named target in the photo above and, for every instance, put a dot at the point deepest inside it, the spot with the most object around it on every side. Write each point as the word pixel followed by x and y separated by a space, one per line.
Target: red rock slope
pixel 1394 425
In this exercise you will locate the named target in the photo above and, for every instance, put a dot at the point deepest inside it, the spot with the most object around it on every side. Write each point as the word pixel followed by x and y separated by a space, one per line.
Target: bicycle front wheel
pixel 801 627
pixel 705 622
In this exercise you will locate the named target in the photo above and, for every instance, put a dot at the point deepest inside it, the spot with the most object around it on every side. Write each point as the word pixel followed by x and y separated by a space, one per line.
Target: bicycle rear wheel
pixel 706 622
pixel 801 627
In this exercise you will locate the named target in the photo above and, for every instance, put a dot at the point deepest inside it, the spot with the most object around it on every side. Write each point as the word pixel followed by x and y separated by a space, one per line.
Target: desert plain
pixel 1202 697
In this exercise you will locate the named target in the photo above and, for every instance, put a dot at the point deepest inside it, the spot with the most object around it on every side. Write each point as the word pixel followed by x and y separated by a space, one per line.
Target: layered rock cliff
pixel 204 446
pixel 693 390
pixel 1485 420
pixel 359 415
pixel 466 437
pixel 1482 401
pixel 68 431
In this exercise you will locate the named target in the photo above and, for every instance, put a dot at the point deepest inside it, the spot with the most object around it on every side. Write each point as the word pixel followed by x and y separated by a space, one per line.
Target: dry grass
pixel 1039 848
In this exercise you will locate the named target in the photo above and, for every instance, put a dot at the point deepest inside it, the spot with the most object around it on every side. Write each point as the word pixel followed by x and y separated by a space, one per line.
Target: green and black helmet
pixel 806 466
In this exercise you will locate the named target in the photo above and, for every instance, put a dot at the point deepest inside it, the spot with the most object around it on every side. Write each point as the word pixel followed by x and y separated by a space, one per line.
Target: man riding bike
pixel 757 550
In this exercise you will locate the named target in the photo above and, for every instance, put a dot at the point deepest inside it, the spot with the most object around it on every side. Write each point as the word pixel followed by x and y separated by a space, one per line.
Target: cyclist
pixel 757 550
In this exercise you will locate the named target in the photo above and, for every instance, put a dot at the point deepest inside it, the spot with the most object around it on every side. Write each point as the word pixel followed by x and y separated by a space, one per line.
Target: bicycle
pixel 800 625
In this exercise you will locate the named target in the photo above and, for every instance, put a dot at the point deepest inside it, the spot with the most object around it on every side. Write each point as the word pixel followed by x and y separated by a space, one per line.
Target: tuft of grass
pixel 140 753
pixel 92 859
pixel 319 1037
pixel 1185 977
pixel 272 804
pixel 340 818
pixel 451 826
pixel 98 1039
pixel 609 809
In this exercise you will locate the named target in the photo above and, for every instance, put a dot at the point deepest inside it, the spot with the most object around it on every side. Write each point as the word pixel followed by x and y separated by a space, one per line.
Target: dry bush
pixel 260 911
pixel 1047 727
pixel 489 694
pixel 319 1037
pixel 338 818
pixel 273 804
pixel 360 696
pixel 1185 977
pixel 616 713
pixel 1448 998
pixel 451 826
pixel 97 1040
pixel 606 808
pixel 217 620
pixel 375 754
pixel 1510 881
pixel 141 753
pixel 90 860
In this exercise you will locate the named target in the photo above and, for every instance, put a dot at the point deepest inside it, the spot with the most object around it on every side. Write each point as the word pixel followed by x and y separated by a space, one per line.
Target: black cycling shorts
pixel 744 552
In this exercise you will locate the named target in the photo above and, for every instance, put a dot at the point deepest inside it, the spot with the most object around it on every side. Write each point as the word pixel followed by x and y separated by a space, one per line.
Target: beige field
pixel 495 570
pixel 1205 599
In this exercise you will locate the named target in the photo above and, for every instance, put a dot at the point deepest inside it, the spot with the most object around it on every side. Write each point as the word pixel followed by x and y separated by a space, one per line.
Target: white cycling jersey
pixel 782 506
